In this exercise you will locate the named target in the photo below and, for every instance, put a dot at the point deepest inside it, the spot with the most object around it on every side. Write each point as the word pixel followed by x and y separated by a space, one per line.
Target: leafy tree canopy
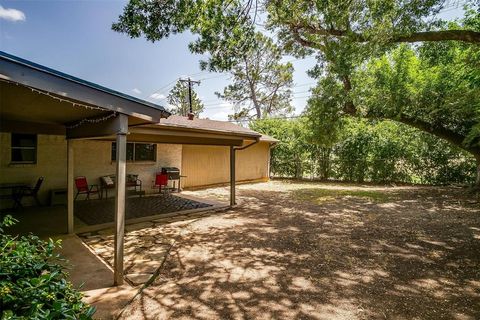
pixel 226 29
pixel 352 40
pixel 261 83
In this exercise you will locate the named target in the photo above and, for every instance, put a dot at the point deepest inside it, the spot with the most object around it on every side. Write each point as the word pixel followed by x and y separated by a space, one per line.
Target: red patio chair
pixel 161 179
pixel 84 188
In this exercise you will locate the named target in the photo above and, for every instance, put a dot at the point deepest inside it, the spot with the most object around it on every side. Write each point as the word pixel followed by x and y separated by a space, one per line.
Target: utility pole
pixel 189 83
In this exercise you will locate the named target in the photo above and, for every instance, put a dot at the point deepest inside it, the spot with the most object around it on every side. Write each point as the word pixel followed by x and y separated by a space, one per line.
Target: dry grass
pixel 321 251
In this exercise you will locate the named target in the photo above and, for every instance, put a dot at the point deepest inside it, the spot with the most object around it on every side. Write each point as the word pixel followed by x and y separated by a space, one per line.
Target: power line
pixel 272 118
pixel 162 89
pixel 222 105
pixel 217 103
pixel 215 77
pixel 167 86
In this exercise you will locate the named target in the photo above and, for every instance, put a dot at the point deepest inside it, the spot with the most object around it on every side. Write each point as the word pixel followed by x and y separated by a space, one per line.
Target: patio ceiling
pixel 20 105
pixel 32 93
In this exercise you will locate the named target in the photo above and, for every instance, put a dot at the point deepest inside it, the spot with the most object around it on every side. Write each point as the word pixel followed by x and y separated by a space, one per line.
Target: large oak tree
pixel 344 35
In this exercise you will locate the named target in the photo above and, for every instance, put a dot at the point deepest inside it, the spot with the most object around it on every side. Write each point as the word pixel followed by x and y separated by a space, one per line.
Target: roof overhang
pixel 34 93
pixel 187 135
pixel 177 135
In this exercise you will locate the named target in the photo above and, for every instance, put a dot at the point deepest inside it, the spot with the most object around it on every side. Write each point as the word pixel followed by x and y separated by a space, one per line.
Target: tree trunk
pixel 253 91
pixel 324 162
pixel 298 168
pixel 477 179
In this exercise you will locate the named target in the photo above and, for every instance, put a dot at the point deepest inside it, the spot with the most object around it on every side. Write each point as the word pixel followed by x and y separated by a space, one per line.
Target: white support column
pixel 120 199
pixel 70 187
pixel 232 176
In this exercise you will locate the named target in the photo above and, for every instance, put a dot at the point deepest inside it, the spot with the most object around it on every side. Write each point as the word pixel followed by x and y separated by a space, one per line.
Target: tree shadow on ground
pixel 278 257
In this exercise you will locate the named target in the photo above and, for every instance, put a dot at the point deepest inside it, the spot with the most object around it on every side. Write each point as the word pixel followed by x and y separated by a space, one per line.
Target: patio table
pixel 11 195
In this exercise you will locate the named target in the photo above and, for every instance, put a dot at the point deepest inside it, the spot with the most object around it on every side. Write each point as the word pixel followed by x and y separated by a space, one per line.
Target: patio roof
pixel 206 125
pixel 33 93
pixel 178 129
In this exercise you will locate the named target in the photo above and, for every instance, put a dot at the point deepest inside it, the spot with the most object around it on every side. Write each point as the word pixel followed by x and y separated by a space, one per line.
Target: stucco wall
pixel 51 164
pixel 207 165
pixel 92 159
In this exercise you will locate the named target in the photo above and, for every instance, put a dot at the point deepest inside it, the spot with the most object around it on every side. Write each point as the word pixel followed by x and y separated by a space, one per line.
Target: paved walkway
pixel 94 278
pixel 145 247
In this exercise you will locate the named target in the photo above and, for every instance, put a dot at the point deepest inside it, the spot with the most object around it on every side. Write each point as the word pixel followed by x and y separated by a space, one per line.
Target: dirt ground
pixel 322 251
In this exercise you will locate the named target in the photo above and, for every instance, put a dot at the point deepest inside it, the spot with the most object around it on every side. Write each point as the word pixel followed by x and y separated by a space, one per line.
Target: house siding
pixel 210 165
pixel 203 165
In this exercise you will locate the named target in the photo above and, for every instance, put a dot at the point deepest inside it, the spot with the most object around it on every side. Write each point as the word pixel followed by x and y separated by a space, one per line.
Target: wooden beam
pixel 211 141
pixel 31 127
pixel 232 176
pixel 164 129
pixel 181 132
pixel 120 200
pixel 70 187
pixel 105 128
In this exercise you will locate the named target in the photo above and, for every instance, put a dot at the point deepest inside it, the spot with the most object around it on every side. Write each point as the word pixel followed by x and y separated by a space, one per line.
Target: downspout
pixel 232 168
pixel 257 140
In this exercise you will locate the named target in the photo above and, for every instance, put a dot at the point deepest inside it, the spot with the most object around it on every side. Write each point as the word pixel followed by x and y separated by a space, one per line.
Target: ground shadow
pixel 414 255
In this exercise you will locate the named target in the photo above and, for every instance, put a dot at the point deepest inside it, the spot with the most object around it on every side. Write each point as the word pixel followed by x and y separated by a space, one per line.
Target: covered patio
pixel 41 101
pixel 98 214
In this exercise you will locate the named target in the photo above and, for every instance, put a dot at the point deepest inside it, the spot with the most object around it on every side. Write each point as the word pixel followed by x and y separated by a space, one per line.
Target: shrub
pixel 33 284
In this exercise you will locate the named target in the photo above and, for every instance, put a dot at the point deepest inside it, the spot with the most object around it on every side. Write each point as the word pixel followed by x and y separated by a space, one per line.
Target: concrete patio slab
pixel 87 271
pixel 94 278
pixel 213 205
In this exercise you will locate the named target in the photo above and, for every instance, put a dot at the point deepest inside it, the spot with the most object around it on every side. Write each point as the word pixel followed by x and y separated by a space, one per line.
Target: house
pixel 201 165
pixel 58 126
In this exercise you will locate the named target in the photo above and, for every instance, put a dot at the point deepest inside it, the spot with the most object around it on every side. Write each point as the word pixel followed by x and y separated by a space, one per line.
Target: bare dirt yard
pixel 293 250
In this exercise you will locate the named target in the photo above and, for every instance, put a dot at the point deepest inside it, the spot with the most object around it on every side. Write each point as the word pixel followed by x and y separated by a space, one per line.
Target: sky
pixel 75 37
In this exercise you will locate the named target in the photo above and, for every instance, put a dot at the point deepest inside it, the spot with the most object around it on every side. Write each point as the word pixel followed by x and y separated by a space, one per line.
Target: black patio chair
pixel 22 192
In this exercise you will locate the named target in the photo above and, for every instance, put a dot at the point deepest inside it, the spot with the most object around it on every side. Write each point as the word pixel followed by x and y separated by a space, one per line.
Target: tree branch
pixel 436 130
pixel 439 131
pixel 304 42
pixel 443 35
pixel 440 35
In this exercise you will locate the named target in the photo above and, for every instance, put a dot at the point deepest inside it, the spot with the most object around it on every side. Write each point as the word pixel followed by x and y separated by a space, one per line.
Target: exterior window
pixel 137 151
pixel 24 148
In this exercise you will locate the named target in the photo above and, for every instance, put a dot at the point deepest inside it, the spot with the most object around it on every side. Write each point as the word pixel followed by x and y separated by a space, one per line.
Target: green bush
pixel 33 284
pixel 366 151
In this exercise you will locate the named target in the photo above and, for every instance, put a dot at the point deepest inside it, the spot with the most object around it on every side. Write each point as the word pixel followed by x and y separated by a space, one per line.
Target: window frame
pixel 133 145
pixel 34 147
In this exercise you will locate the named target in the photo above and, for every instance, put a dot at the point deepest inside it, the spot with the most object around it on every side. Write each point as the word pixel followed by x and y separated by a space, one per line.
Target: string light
pixel 89 120
pixel 75 104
